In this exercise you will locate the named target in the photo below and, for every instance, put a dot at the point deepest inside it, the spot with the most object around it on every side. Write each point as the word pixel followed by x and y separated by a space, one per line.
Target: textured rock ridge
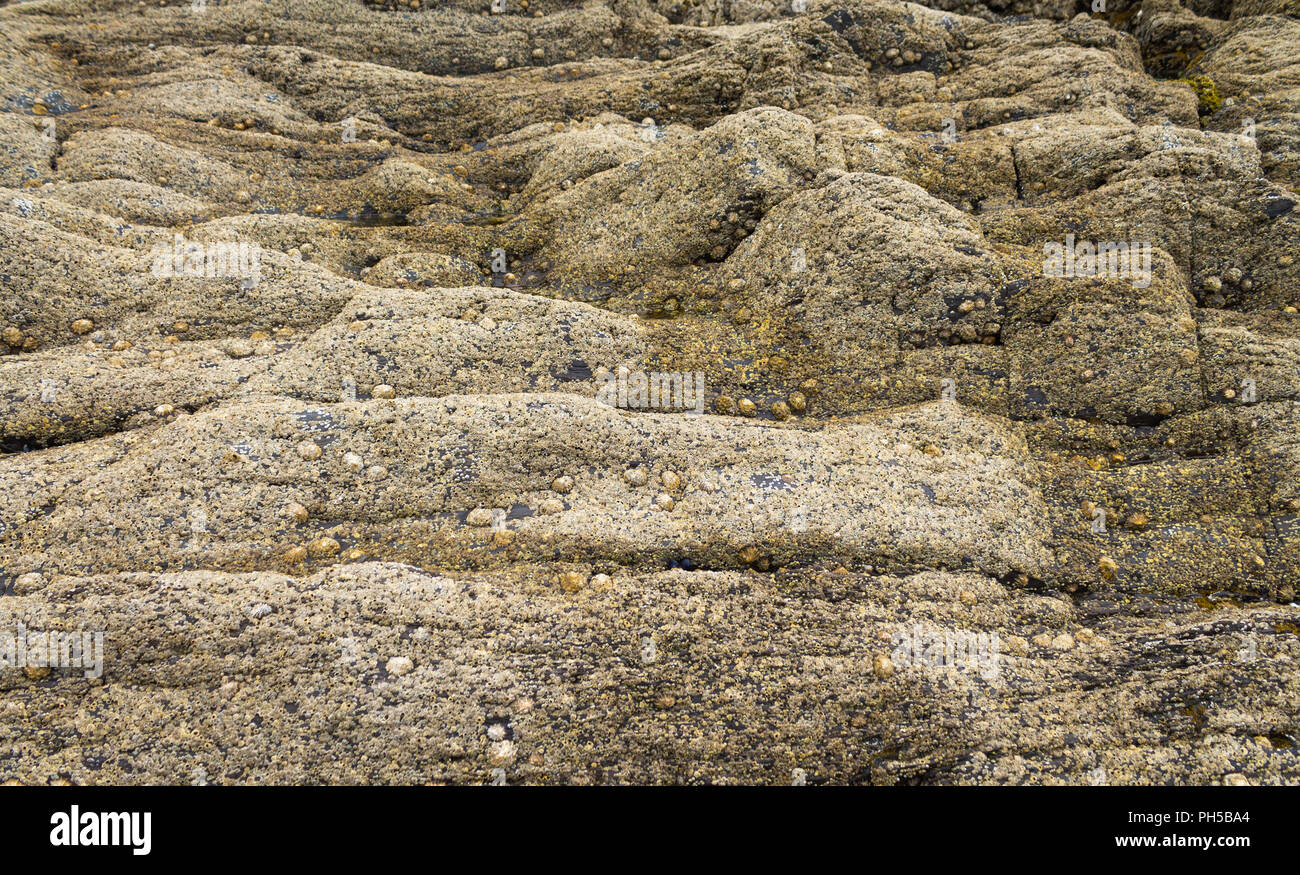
pixel 651 391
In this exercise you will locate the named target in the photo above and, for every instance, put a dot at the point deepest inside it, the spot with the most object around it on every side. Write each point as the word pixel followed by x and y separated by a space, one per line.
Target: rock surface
pixel 651 392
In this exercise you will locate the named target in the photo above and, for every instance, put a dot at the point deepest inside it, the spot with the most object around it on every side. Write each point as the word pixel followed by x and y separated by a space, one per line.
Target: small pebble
pixel 882 666
pixel 479 517
pixel 1064 641
pixel 323 547
pixel 502 753
pixel 399 665
pixel 309 450
pixel 28 583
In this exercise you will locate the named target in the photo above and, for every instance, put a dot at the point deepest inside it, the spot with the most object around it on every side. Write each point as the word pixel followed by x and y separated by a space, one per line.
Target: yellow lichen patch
pixel 1208 99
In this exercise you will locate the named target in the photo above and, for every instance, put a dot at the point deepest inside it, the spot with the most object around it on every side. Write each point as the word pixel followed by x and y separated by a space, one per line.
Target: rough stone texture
pixel 368 516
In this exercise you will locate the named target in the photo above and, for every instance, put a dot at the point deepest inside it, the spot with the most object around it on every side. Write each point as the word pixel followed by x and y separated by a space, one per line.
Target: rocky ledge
pixel 650 391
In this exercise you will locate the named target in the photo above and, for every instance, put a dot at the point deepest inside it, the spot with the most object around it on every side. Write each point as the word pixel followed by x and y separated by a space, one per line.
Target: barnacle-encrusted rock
pixel 652 391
